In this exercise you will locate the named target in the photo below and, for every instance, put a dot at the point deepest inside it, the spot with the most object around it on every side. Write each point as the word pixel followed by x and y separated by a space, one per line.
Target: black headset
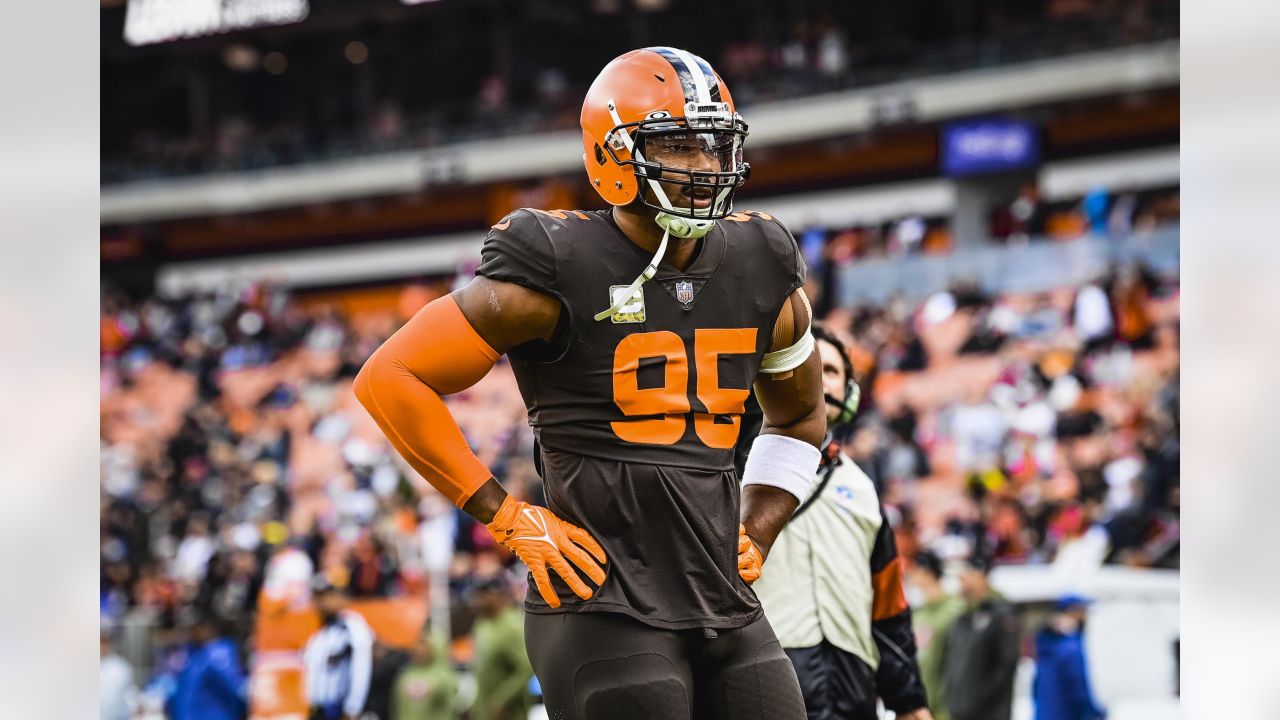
pixel 852 391
pixel 849 405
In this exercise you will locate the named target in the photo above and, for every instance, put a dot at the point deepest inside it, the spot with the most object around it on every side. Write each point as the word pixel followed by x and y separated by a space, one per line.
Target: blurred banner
pixel 156 21
pixel 985 146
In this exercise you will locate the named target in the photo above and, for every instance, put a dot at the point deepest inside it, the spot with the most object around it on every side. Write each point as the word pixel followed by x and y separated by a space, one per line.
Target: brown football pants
pixel 607 666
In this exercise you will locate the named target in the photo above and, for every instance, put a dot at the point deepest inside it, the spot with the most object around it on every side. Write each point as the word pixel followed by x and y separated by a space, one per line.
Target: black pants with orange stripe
pixel 606 666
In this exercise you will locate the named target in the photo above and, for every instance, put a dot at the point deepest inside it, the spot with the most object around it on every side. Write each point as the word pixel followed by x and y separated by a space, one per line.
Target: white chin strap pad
pixel 683 227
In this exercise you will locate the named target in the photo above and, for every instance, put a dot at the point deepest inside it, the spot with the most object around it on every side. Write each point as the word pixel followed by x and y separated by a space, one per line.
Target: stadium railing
pixel 1035 266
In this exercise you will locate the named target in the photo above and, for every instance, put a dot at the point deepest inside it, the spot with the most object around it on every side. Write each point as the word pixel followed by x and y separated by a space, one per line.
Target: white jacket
pixel 816 583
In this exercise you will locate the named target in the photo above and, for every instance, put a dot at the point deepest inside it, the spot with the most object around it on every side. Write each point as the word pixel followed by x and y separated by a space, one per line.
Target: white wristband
pixel 782 462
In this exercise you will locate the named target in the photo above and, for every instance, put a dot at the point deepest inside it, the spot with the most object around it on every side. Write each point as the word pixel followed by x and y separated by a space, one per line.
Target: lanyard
pixel 822 485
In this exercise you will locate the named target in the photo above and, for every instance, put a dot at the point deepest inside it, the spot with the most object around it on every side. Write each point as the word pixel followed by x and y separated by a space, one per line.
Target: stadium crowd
pixel 1038 427
pixel 374 97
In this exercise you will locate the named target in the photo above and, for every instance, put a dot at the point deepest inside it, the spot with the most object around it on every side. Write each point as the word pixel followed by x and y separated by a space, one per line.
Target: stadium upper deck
pixel 358 79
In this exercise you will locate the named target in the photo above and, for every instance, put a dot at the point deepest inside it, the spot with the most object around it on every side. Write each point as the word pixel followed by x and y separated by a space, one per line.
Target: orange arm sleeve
pixel 436 353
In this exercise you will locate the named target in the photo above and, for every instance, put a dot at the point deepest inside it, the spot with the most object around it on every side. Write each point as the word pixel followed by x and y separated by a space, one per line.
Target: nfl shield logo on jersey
pixel 684 292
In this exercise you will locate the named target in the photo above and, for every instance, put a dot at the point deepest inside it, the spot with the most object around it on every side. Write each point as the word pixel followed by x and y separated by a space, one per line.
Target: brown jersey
pixel 637 415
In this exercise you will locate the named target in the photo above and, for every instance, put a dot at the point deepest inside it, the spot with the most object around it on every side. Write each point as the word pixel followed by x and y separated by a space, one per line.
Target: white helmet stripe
pixel 695 70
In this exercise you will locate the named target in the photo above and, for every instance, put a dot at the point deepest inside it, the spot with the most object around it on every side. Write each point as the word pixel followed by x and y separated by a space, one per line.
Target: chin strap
pixel 681 227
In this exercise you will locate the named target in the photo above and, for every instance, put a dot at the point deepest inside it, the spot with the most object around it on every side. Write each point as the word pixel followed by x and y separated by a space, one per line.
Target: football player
pixel 635 390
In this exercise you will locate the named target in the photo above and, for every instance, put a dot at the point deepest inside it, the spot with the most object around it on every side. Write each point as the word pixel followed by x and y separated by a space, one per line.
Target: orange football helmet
pixel 656 99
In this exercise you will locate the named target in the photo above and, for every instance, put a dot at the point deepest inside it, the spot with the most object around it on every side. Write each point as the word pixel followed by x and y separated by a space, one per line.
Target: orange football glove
pixel 542 540
pixel 750 561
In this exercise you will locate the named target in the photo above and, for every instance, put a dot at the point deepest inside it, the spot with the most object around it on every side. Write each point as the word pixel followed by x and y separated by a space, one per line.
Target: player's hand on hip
pixel 541 540
pixel 750 561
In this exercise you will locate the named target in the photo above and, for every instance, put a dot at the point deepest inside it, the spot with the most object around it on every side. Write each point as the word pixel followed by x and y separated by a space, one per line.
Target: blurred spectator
pixel 1023 217
pixel 388 664
pixel 932 618
pixel 211 685
pixel 338 659
pixel 979 429
pixel 117 694
pixel 906 235
pixel 1120 219
pixel 427 688
pixel 501 665
pixel 1095 210
pixel 287 585
pixel 1061 689
pixel 982 650
pixel 167 662
pixel 492 94
pixel 230 591
pixel 373 572
pixel 1092 319
pixel 832 50
pixel 1129 296
pixel 194 551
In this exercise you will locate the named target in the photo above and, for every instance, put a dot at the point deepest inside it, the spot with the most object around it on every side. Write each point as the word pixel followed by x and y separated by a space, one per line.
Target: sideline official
pixel 338 657
pixel 832 585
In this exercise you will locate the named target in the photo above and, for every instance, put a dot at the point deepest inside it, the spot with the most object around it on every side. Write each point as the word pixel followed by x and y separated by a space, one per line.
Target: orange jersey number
pixel 670 401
